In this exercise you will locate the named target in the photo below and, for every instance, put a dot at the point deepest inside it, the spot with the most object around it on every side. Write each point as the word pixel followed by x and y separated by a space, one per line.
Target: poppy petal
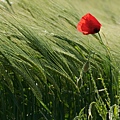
pixel 88 24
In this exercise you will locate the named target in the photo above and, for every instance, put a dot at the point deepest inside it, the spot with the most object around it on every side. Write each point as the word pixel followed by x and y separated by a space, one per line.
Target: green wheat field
pixel 51 71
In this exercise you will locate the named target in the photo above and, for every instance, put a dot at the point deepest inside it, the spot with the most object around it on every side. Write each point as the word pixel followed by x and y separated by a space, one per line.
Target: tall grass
pixel 50 71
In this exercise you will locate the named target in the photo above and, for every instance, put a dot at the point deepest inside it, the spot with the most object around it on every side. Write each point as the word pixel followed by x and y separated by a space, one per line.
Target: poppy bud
pixel 86 66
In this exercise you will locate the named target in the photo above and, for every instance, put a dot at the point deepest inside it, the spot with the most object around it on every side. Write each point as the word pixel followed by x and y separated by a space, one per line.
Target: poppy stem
pixel 100 39
pixel 110 69
pixel 106 48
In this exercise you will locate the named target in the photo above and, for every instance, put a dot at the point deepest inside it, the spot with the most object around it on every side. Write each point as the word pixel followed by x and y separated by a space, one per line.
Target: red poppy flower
pixel 88 24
